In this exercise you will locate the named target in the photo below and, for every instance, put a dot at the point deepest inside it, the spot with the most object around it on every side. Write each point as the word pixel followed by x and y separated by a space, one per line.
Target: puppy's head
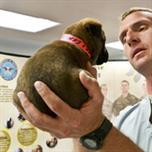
pixel 90 31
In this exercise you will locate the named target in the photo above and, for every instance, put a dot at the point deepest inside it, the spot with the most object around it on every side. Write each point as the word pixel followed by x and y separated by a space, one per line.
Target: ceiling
pixel 65 12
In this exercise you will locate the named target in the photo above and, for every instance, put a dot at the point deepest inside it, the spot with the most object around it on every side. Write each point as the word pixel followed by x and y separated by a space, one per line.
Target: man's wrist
pixel 94 140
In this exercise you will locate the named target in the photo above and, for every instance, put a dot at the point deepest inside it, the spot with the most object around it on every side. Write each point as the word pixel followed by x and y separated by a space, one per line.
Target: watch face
pixel 90 143
pixel 8 69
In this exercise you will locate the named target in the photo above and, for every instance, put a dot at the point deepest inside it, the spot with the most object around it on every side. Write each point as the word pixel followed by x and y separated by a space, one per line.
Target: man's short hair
pixel 134 9
pixel 125 81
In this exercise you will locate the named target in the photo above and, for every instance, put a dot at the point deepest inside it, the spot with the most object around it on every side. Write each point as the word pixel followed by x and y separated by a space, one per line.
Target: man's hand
pixel 69 122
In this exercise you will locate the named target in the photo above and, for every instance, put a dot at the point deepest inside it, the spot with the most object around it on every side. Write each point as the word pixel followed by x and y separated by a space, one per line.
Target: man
pixel 134 122
pixel 125 99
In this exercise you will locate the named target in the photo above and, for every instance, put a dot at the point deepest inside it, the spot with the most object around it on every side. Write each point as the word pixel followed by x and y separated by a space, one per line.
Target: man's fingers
pixel 56 104
pixel 66 116
pixel 91 84
pixel 34 115
pixel 31 112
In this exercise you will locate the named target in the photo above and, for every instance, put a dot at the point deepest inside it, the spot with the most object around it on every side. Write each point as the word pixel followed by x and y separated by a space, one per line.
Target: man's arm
pixel 73 122
pixel 114 142
pixel 70 122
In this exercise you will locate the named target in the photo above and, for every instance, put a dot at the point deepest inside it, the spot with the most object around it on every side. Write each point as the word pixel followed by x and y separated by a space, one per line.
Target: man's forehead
pixel 134 18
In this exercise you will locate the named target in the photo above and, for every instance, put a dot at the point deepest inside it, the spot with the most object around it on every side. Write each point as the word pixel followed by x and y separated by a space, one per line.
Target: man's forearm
pixel 114 142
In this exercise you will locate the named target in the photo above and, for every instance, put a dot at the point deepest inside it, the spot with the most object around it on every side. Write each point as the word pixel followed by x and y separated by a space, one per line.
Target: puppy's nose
pixel 103 57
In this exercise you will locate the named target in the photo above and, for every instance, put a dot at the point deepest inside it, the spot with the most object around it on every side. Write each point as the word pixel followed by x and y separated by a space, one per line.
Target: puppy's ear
pixel 103 56
pixel 94 29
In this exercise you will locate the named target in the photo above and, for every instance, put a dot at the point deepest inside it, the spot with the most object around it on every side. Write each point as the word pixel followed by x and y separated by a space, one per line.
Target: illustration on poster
pixel 8 69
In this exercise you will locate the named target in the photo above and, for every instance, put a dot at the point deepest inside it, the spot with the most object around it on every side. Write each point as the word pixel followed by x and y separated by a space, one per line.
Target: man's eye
pixel 142 28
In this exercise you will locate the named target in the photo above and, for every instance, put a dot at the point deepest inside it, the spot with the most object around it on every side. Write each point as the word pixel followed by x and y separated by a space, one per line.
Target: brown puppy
pixel 58 65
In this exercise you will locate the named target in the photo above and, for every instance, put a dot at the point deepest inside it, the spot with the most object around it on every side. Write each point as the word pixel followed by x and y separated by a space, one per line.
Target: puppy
pixel 58 65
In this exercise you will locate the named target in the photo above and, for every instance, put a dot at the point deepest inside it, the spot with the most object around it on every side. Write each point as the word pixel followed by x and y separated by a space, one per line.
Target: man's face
pixel 124 87
pixel 136 36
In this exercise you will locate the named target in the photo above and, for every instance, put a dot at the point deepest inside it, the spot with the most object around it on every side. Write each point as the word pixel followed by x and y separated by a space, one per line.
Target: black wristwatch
pixel 94 140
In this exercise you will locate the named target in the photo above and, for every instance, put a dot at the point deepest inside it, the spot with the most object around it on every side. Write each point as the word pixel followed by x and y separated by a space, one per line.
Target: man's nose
pixel 132 38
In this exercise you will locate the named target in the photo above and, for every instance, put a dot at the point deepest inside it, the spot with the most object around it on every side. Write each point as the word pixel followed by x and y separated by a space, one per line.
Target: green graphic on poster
pixel 26 134
pixel 5 141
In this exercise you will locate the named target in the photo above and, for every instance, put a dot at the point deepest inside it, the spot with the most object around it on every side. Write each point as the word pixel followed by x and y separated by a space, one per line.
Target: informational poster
pixel 112 73
pixel 17 134
pixel 121 86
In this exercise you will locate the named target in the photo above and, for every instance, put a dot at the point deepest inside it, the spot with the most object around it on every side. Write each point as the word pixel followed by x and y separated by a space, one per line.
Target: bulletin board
pixel 17 134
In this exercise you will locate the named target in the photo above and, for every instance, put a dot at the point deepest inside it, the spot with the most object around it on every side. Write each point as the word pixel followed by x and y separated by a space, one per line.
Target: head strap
pixel 76 41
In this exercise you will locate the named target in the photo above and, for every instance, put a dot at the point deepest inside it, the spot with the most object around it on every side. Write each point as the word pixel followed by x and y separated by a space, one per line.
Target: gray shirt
pixel 134 122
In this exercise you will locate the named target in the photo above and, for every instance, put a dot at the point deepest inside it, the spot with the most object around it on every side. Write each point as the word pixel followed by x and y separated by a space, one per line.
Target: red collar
pixel 76 41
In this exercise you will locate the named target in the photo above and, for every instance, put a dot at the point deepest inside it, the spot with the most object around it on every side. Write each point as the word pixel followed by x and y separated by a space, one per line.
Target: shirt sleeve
pixel 134 122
